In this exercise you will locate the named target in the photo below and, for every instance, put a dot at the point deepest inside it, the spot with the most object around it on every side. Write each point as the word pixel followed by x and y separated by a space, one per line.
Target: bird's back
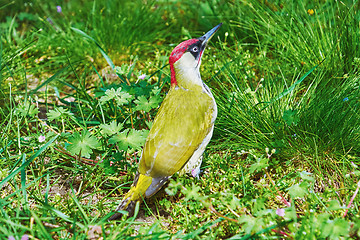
pixel 184 120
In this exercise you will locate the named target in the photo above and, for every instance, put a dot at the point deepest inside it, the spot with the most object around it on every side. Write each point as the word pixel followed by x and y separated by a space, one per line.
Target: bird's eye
pixel 195 49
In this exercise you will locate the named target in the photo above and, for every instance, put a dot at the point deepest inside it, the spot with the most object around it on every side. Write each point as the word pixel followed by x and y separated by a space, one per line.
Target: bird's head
pixel 185 59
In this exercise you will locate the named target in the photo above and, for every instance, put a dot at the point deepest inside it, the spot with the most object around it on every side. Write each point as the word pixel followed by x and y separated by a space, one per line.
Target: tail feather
pixel 126 205
pixel 156 185
pixel 143 186
pixel 135 194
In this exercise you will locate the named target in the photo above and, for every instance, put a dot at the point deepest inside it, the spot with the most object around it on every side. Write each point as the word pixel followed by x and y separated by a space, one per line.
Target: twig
pixel 273 183
pixel 211 207
pixel 282 233
pixel 283 199
pixel 63 151
pixel 352 199
pixel 220 215
pixel 82 159
pixel 87 161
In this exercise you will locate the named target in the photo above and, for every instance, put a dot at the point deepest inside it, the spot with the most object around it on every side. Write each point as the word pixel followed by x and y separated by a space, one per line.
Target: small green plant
pixel 82 144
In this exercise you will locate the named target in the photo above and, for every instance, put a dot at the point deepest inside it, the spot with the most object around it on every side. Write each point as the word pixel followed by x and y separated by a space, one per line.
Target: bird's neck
pixel 186 77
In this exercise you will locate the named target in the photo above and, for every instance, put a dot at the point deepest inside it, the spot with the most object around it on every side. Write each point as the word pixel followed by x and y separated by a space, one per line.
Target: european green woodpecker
pixel 182 127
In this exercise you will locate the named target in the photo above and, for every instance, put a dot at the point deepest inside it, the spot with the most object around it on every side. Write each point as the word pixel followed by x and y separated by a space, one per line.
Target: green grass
pixel 320 110
pixel 283 162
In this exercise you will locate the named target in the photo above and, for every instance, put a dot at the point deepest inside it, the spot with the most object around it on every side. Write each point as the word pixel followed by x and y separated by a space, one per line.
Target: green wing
pixel 183 121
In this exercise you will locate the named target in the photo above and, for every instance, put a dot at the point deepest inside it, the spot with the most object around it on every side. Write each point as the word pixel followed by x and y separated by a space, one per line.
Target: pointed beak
pixel 205 39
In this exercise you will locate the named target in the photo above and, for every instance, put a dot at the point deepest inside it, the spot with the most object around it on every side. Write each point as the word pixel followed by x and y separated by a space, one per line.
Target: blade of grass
pixel 292 87
pixel 107 58
pixel 73 196
pixel 102 51
pixel 40 225
pixel 50 79
pixel 6 4
pixel 24 165
pixel 61 215
pixel 23 180
pixel 8 145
